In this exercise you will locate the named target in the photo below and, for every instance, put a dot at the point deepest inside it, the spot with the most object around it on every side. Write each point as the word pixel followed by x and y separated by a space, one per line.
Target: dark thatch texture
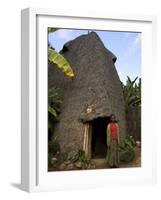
pixel 96 85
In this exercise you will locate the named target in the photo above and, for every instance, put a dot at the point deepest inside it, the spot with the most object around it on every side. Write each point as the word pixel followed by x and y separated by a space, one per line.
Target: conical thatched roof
pixel 94 92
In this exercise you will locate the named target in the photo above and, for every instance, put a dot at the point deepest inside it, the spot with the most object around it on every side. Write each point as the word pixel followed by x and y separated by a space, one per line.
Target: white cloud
pixel 137 41
pixel 64 34
pixel 122 76
pixel 132 47
pixel 120 73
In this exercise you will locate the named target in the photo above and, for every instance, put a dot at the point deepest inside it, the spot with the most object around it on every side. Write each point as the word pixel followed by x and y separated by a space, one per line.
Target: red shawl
pixel 113 131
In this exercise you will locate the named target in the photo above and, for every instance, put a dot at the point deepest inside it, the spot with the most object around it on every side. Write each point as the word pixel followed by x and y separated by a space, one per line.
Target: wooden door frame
pixel 87 139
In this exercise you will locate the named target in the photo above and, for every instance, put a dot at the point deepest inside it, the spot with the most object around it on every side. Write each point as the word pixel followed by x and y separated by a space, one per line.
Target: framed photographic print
pixel 87 80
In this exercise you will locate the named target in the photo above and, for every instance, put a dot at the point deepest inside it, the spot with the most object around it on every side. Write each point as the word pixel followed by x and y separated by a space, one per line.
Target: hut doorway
pixel 99 137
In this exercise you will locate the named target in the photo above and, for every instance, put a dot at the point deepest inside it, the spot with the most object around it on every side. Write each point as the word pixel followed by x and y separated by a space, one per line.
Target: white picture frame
pixel 34 174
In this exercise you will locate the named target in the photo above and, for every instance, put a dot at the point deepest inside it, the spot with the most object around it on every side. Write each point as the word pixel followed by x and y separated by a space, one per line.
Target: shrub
pixel 126 155
pixel 72 156
pixel 78 158
pixel 127 150
pixel 53 147
pixel 81 156
pixel 129 142
pixel 83 161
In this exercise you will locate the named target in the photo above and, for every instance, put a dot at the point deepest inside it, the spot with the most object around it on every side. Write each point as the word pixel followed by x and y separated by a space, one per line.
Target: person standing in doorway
pixel 113 140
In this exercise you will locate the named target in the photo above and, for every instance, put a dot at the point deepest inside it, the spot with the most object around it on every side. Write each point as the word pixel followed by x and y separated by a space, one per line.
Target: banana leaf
pixel 60 61
pixel 50 29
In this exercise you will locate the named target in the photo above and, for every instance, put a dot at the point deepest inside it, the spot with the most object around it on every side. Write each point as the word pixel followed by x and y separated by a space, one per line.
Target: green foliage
pixel 82 157
pixel 127 156
pixel 52 111
pixel 127 149
pixel 51 30
pixel 78 158
pixel 129 142
pixel 82 162
pixel 60 61
pixel 132 99
pixel 53 147
pixel 50 159
pixel 132 92
pixel 72 156
pixel 55 97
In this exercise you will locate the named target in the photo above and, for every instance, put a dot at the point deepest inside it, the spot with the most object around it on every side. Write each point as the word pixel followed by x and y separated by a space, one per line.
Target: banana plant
pixel 132 92
pixel 55 97
pixel 59 59
pixel 51 29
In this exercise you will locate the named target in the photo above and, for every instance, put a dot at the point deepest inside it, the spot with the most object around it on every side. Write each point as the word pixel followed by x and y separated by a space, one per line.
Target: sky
pixel 125 45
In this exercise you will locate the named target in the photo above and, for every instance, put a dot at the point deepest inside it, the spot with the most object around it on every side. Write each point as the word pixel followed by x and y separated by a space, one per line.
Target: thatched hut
pixel 90 98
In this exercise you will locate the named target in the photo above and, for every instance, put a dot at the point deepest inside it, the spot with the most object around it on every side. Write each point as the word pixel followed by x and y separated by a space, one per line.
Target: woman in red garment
pixel 113 140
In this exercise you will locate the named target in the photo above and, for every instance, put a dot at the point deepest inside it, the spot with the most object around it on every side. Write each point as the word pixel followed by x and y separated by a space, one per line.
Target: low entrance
pixel 99 137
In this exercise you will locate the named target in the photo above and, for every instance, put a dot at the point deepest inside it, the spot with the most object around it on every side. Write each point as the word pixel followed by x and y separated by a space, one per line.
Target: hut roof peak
pixel 92 38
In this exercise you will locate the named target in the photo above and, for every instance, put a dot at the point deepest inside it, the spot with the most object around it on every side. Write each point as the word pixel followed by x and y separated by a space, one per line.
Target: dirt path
pixel 100 163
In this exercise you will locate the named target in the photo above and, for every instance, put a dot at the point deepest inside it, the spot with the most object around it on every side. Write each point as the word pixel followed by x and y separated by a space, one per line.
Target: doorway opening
pixel 99 137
